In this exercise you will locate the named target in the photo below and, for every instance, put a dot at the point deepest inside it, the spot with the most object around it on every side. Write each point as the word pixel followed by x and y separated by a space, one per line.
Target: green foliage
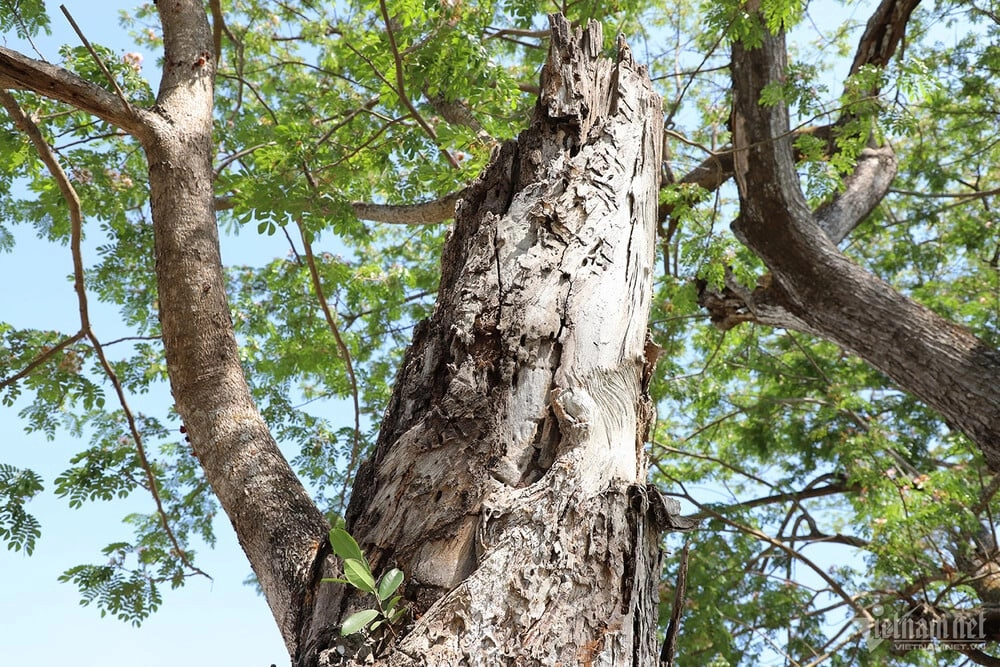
pixel 18 529
pixel 734 21
pixel 124 71
pixel 358 573
pixel 129 597
pixel 311 117
pixel 26 18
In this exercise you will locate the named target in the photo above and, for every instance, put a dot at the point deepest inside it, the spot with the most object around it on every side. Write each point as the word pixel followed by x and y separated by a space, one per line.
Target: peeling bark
pixel 508 481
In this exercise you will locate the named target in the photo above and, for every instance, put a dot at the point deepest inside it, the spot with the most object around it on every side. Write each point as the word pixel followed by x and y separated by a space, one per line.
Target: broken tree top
pixel 575 77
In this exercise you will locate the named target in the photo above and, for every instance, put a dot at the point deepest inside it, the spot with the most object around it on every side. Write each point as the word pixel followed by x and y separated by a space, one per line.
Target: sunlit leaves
pixel 25 18
pixel 125 70
pixel 107 470
pixel 128 596
pixel 19 530
pixel 358 574
pixel 317 108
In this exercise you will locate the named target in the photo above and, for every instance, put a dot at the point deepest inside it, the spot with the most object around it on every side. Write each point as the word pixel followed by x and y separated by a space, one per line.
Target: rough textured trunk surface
pixel 508 481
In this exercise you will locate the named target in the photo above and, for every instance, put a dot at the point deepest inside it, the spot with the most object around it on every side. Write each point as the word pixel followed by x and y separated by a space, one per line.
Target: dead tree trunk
pixel 508 481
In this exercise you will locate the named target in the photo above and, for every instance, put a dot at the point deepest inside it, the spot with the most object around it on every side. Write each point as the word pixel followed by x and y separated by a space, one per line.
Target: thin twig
pixel 401 87
pixel 350 318
pixel 291 244
pixel 702 70
pixel 792 496
pixel 792 553
pixel 669 121
pixel 229 159
pixel 693 144
pixel 357 149
pixel 72 199
pixel 41 359
pixel 345 353
pixel 26 33
pixel 95 137
pixel 370 104
pixel 97 59
pixel 853 638
pixel 140 449
pixel 979 194
pixel 124 339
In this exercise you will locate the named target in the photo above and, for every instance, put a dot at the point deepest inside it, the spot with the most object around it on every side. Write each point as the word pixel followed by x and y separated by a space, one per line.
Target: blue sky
pixel 218 622
pixel 206 623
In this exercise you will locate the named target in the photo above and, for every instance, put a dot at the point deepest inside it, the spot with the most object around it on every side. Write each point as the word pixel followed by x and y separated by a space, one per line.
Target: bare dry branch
pixel 41 359
pixel 425 213
pixel 97 59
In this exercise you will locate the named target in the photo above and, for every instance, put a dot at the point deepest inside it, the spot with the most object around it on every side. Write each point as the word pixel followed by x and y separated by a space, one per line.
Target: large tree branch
pixel 20 72
pixel 938 361
pixel 279 527
pixel 424 213
pixel 876 166
pixel 716 169
pixel 433 212
pixel 72 200
pixel 883 34
pixel 863 189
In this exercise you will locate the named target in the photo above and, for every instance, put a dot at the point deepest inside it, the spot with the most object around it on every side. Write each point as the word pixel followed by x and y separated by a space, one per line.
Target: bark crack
pixel 523 537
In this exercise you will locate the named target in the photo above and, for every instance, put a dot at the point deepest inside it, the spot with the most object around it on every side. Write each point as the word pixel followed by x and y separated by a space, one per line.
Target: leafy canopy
pixel 824 490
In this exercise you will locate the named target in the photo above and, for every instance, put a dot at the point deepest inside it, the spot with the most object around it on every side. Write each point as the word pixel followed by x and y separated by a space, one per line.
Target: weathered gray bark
pixel 509 478
pixel 508 481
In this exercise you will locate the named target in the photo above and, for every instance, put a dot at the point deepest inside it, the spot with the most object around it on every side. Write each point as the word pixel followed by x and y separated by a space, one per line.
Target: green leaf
pixel 359 575
pixel 389 582
pixel 358 621
pixel 392 604
pixel 344 545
